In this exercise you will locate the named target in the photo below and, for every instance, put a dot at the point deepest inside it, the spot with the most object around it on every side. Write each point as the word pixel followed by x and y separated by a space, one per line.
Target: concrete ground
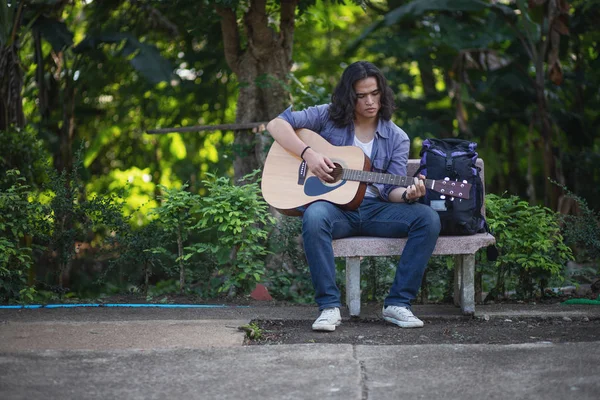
pixel 121 353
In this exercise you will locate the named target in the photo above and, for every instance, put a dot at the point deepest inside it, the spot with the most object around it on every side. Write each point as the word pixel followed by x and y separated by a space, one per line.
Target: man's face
pixel 368 98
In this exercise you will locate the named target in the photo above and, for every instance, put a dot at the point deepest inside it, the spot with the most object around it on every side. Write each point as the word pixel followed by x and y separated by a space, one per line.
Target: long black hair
pixel 343 99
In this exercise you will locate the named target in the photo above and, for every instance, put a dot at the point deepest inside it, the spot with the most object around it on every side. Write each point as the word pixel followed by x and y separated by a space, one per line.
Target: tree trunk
pixel 551 195
pixel 513 170
pixel 43 97
pixel 11 84
pixel 531 193
pixel 262 68
pixel 63 159
pixel 258 102
pixel 146 277
pixel 181 264
pixel 11 79
pixel 547 48
pixel 428 79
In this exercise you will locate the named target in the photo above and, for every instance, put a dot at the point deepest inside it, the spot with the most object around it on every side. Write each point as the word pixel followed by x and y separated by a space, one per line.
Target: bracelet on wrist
pixel 304 151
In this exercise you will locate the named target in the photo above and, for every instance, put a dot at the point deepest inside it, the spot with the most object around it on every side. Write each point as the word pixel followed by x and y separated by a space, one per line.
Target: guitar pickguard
pixel 315 187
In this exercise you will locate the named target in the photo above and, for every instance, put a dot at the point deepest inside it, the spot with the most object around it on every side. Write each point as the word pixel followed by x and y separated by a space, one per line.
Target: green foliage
pixel 582 231
pixel 135 249
pixel 532 249
pixel 177 210
pixel 306 95
pixel 76 217
pixel 177 216
pixel 23 151
pixel 378 275
pixel 69 218
pixel 20 220
pixel 162 287
pixel 15 263
pixel 236 216
pixel 447 61
pixel 144 57
pixel 288 277
pixel 7 20
pixel 253 331
pixel 438 280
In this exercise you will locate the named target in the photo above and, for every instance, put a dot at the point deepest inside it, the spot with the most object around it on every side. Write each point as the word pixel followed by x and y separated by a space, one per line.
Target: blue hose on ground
pixel 121 305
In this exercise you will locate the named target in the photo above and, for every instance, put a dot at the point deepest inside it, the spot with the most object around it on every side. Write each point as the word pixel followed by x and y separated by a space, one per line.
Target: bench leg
pixel 457 279
pixel 353 285
pixel 467 284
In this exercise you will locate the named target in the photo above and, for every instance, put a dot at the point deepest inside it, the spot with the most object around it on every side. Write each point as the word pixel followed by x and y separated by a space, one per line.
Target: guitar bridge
pixel 302 173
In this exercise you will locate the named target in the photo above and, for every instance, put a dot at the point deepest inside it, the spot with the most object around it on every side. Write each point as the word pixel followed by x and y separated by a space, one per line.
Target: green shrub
pixel 288 276
pixel 582 231
pixel 532 250
pixel 136 256
pixel 23 151
pixel 377 276
pixel 71 215
pixel 177 215
pixel 20 221
pixel 438 280
pixel 78 217
pixel 236 217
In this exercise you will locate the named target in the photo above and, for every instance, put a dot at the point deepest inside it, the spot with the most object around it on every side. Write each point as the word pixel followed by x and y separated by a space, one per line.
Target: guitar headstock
pixel 450 188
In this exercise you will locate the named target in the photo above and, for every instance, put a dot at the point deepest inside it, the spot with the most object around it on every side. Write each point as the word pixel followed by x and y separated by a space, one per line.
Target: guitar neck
pixel 378 177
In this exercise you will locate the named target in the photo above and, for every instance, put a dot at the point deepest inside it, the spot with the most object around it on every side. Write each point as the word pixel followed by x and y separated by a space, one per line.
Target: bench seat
pixel 463 248
pixel 366 246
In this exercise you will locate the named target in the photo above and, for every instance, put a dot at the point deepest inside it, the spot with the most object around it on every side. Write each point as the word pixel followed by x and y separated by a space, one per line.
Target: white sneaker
pixel 401 316
pixel 328 320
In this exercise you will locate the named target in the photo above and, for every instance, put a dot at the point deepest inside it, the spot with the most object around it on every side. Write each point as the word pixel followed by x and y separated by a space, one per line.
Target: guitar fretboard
pixel 378 177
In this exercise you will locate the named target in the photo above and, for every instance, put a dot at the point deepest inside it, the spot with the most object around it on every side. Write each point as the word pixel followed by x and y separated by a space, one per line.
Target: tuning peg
pixel 451 198
pixel 442 197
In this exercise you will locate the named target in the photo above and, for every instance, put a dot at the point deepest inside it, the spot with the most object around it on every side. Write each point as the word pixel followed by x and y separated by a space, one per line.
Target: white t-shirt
pixel 367 148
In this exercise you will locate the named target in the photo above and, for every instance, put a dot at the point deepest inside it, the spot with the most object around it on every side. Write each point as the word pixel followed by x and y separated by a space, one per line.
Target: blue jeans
pixel 322 222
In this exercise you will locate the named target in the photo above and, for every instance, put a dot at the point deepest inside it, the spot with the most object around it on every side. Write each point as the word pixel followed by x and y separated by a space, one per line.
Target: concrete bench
pixel 463 248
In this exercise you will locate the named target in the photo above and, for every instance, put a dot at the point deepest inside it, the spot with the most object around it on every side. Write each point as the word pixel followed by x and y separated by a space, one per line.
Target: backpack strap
pixel 450 170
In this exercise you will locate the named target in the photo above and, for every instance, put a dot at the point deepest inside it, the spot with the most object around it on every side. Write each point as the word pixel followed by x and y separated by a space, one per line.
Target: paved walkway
pixel 124 353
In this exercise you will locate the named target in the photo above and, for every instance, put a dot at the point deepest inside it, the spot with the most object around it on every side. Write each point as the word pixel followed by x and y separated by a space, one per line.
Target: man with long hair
pixel 360 114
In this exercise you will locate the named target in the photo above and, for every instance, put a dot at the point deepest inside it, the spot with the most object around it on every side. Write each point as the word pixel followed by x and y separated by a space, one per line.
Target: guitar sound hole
pixel 337 173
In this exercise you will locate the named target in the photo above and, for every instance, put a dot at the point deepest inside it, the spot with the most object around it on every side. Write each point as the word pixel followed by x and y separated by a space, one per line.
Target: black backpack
pixel 454 159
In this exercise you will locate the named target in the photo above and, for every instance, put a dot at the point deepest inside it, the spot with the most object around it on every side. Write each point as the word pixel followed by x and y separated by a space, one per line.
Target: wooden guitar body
pixel 280 179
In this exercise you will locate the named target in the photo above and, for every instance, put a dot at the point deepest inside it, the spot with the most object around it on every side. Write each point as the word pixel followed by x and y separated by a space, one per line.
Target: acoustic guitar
pixel 288 184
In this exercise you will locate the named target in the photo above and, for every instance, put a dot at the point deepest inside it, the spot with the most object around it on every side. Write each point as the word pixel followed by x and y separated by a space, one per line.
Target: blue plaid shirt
pixel 390 148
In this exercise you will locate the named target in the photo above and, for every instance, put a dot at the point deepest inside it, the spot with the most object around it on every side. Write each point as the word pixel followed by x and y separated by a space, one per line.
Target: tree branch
pixel 286 26
pixel 156 19
pixel 378 10
pixel 231 37
pixel 257 24
pixel 17 23
pixel 255 126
